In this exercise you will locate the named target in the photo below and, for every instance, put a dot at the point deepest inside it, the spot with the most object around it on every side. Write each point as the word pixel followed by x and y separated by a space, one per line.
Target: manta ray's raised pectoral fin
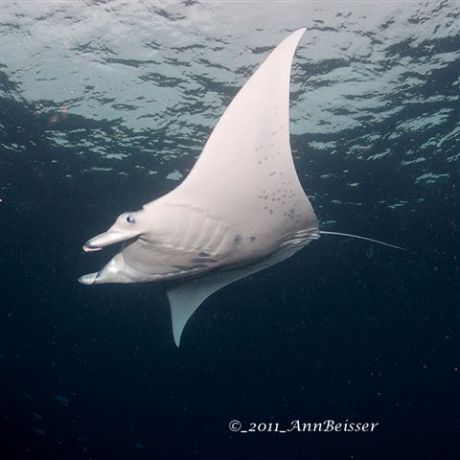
pixel 249 153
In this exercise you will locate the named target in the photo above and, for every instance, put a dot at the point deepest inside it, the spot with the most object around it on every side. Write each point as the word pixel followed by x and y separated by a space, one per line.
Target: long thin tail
pixel 322 232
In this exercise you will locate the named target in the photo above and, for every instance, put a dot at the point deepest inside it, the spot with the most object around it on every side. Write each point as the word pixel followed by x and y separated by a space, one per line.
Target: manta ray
pixel 241 209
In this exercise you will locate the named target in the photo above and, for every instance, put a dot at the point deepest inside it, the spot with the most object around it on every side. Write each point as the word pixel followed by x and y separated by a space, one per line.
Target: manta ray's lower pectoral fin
pixel 189 295
pixel 183 301
pixel 186 298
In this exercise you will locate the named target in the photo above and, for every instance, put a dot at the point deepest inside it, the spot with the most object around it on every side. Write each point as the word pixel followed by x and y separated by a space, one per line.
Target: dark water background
pixel 104 105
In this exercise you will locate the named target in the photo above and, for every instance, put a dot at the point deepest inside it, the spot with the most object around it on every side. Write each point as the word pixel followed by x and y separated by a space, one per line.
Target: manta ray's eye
pixel 130 219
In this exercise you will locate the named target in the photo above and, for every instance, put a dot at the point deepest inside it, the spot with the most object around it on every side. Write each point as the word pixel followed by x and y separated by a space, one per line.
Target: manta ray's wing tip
pixel 298 33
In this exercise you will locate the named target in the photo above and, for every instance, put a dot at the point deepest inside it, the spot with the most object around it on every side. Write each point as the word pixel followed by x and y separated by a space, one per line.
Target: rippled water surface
pixel 105 106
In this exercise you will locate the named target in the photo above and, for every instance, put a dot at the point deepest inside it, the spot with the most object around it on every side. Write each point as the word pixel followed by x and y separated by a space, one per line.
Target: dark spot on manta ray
pixel 291 213
pixel 237 239
pixel 252 238
pixel 203 254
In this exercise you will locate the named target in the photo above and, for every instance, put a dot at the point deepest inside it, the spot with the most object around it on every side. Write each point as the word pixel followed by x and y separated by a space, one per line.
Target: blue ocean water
pixel 105 105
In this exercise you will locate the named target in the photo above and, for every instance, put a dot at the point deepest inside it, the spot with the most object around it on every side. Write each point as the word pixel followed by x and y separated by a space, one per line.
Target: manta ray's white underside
pixel 240 210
